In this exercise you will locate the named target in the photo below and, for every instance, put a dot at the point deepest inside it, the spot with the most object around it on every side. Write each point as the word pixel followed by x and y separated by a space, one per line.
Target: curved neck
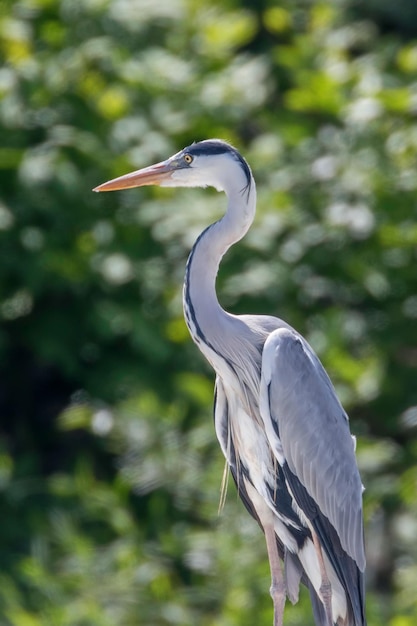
pixel 205 318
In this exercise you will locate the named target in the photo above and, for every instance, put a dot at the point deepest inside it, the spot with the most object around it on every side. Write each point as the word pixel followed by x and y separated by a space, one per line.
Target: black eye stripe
pixel 211 147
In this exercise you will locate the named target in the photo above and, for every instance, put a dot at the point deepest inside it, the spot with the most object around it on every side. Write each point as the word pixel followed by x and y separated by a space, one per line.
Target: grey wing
pixel 308 430
pixel 293 569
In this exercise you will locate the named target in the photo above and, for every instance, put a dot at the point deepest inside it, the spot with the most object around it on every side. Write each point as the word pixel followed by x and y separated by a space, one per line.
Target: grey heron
pixel 278 420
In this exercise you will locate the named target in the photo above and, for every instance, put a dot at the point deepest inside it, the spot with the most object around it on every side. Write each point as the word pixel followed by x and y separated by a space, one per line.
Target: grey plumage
pixel 279 423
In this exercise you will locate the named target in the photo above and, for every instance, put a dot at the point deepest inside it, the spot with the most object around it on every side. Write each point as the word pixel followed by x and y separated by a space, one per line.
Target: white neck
pixel 205 318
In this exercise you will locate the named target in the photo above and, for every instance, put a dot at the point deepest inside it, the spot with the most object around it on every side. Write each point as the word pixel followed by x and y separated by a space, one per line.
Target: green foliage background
pixel 109 469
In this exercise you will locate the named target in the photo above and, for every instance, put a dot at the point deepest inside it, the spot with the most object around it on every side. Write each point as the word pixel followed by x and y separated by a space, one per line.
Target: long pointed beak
pixel 152 175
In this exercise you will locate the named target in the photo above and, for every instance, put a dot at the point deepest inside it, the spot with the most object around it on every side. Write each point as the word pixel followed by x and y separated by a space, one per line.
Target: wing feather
pixel 308 429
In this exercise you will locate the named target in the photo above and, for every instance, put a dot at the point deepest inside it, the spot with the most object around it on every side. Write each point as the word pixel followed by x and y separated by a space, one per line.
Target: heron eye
pixel 188 158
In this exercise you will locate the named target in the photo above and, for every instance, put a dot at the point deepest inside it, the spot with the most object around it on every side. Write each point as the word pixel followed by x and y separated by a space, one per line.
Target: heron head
pixel 209 163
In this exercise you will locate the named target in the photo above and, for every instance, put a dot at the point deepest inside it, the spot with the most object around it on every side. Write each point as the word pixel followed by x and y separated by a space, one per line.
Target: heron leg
pixel 325 587
pixel 278 588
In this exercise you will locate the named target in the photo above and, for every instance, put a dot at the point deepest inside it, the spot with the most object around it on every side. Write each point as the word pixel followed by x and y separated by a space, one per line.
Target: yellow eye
pixel 188 158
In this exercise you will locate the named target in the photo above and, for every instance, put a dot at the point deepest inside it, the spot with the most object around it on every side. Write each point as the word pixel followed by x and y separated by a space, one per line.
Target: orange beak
pixel 153 175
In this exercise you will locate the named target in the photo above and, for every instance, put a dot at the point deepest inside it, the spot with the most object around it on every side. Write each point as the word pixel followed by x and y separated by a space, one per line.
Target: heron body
pixel 279 423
